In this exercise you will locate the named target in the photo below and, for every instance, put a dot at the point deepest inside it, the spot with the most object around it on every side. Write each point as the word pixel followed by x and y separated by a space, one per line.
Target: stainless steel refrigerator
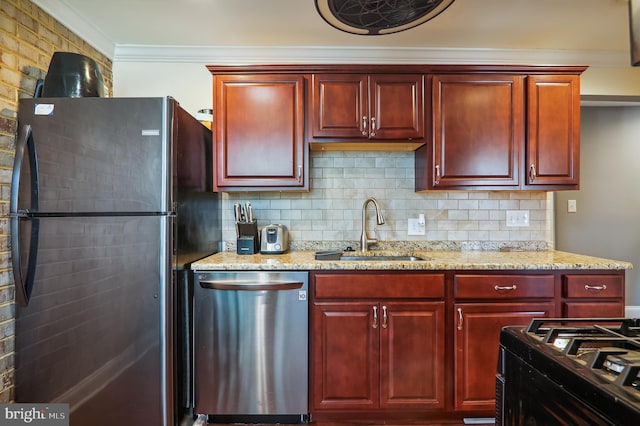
pixel 111 200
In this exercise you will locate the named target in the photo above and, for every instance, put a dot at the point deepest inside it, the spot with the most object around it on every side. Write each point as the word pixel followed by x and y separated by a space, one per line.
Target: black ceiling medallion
pixel 378 17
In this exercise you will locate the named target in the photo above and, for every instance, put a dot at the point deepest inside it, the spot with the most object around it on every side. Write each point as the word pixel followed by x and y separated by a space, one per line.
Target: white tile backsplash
pixel 342 180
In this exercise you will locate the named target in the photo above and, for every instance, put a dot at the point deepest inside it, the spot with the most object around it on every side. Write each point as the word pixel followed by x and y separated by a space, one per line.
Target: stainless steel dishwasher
pixel 251 346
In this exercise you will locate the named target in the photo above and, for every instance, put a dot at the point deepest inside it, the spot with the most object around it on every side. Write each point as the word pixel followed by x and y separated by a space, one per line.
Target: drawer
pixel 378 286
pixel 596 309
pixel 593 286
pixel 504 286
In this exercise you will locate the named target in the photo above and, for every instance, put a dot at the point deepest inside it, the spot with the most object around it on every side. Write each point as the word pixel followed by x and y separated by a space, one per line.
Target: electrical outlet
pixel 414 227
pixel 517 217
pixel 572 206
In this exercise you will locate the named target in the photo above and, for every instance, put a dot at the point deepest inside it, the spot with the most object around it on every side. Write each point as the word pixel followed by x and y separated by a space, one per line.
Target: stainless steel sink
pixel 381 258
pixel 341 256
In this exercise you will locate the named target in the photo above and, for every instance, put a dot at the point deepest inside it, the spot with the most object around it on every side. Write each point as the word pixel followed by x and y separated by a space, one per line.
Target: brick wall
pixel 28 38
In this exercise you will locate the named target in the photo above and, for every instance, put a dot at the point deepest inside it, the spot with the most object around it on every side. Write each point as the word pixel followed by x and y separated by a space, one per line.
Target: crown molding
pixel 67 16
pixel 250 55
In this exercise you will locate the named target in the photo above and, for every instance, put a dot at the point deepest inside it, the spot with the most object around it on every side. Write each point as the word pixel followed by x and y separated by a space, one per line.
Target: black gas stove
pixel 569 372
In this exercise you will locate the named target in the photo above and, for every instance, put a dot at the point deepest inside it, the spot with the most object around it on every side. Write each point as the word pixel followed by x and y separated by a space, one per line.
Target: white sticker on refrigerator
pixel 150 132
pixel 302 295
pixel 43 109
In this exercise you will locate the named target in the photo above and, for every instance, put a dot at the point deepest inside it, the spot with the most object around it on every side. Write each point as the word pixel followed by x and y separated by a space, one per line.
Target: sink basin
pixel 339 255
pixel 381 258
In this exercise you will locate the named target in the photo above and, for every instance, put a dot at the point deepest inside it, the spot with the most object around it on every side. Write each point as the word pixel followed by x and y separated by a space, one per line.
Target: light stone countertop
pixel 434 260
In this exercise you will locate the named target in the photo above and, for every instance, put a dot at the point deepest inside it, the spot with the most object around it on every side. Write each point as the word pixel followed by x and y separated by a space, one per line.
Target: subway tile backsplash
pixel 330 214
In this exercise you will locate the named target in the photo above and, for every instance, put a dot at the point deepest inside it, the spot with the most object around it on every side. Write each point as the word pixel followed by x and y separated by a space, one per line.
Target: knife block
pixel 248 241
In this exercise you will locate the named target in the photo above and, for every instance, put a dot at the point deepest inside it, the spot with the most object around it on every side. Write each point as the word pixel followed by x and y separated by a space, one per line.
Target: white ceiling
pixel 590 27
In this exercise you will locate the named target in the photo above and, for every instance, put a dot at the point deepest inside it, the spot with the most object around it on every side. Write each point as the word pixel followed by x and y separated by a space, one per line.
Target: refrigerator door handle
pixel 24 281
pixel 25 146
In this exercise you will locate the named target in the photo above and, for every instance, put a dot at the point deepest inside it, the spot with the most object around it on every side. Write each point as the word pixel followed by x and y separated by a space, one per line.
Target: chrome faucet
pixel 364 240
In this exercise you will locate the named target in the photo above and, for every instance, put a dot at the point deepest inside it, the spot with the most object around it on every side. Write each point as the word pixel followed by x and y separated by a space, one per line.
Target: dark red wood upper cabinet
pixel 511 131
pixel 360 106
pixel 259 132
pixel 478 130
pixel 553 131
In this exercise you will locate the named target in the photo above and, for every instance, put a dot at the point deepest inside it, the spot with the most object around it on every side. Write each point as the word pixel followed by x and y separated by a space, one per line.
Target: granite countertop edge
pixel 434 261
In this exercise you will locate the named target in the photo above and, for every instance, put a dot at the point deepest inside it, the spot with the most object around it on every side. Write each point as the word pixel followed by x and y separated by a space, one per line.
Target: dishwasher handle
pixel 250 285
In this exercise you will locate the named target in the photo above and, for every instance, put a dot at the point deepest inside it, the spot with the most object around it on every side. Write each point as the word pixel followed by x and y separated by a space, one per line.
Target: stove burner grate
pixel 609 347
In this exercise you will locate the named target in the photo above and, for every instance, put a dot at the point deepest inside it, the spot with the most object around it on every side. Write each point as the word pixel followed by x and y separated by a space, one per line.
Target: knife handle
pixel 249 212
pixel 237 211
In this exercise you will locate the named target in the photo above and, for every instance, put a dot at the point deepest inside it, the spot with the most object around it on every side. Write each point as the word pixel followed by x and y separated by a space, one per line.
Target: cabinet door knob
pixel 373 127
pixel 364 126
pixel 532 172
pixel 384 317
pixel 375 317
pixel 460 319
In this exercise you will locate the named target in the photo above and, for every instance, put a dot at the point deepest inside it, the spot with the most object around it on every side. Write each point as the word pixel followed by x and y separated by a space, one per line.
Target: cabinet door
pixel 397 106
pixel 478 130
pixel 553 147
pixel 412 355
pixel 344 359
pixel 340 106
pixel 477 337
pixel 259 132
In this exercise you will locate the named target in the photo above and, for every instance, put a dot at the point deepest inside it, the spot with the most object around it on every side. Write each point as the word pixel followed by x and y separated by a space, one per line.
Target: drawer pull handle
pixel 365 132
pixel 384 317
pixel 375 317
pixel 595 287
pixel 436 181
pixel 460 319
pixel 505 288
pixel 373 127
